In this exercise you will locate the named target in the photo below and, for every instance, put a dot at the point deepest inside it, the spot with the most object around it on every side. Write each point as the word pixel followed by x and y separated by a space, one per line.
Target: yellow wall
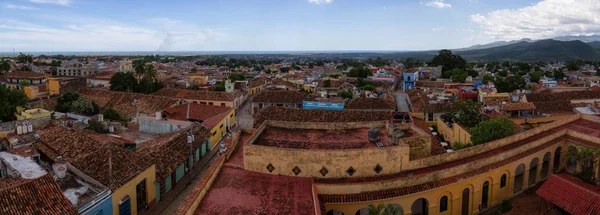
pixel 521 121
pixel 219 131
pixel 474 184
pixel 454 134
pixel 253 90
pixel 129 190
pixel 33 113
pixel 53 86
pixel 31 92
pixel 215 103
pixel 198 78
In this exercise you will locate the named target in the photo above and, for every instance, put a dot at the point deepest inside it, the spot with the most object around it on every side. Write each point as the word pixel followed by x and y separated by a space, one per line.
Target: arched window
pixel 503 181
pixel 485 194
pixel 557 159
pixel 334 212
pixel 465 201
pixel 533 170
pixel 572 161
pixel 420 207
pixel 519 178
pixel 444 204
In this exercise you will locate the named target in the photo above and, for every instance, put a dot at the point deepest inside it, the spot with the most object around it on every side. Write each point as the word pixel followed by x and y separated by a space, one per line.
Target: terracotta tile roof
pixel 552 107
pixel 280 97
pixel 517 106
pixel 571 194
pixel 170 151
pixel 334 84
pixel 198 112
pixel 420 103
pixel 168 92
pixel 431 84
pixel 123 101
pixel 548 95
pixel 213 121
pixel 26 75
pixel 37 196
pixel 494 101
pixel 101 157
pixel 304 115
pixel 237 191
pixel 385 102
pixel 285 83
pixel 211 95
pixel 257 82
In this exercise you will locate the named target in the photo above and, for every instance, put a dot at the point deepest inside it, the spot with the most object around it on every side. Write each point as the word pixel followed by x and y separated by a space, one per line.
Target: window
pixel 210 103
pixel 203 103
pixel 444 204
pixel 223 104
pixel 214 133
pixel 221 126
pixel 503 181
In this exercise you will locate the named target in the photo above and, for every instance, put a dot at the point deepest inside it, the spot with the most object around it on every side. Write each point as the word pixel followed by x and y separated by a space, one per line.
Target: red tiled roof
pixel 386 102
pixel 37 196
pixel 26 75
pixel 102 157
pixel 123 102
pixel 198 112
pixel 237 191
pixel 304 115
pixel 571 194
pixel 493 101
pixel 517 106
pixel 280 97
pixel 199 94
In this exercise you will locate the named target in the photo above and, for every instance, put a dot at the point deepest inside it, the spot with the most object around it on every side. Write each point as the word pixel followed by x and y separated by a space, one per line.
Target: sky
pixel 285 25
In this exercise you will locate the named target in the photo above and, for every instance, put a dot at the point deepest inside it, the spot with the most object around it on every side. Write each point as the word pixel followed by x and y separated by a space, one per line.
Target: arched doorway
pixel 465 201
pixel 420 207
pixel 334 212
pixel 485 194
pixel 546 165
pixel 398 207
pixel 362 211
pixel 533 170
pixel 557 159
pixel 519 178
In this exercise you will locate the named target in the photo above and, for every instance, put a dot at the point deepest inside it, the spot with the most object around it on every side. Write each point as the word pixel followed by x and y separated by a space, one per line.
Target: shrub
pixel 492 129
pixel 113 114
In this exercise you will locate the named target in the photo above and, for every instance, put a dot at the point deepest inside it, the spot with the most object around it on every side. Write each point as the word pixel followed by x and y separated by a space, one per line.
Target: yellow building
pixel 128 192
pixel 198 79
pixel 17 80
pixel 350 171
pixel 59 85
pixel 32 114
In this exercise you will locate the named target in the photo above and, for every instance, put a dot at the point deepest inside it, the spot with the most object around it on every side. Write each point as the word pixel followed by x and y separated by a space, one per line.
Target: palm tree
pixel 384 209
pixel 139 68
pixel 4 66
pixel 149 72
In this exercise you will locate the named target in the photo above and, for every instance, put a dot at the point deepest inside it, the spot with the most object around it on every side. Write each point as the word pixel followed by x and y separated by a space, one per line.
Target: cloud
pixel 320 1
pixel 438 4
pixel 106 35
pixel 20 7
pixel 546 19
pixel 56 2
pixel 438 29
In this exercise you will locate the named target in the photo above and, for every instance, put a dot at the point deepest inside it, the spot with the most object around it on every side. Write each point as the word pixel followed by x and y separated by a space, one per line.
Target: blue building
pixel 410 78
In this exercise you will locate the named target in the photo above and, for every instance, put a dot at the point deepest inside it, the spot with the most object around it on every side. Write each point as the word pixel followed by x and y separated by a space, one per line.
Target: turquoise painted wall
pixel 168 184
pixel 157 192
pixel 101 208
pixel 197 154
pixel 179 172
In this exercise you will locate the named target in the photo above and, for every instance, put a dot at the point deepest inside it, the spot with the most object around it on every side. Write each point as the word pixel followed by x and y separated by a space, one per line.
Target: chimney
pixel 158 116
pixel 187 115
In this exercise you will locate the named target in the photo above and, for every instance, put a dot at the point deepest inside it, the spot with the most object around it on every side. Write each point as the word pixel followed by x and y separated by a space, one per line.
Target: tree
pixel 112 114
pixel 384 209
pixel 361 72
pixel 535 76
pixel 4 66
pixel 458 75
pixel 572 66
pixel 327 83
pixel 347 94
pixel 25 58
pixel 83 106
pixel 368 87
pixel 236 77
pixel 96 126
pixel 139 68
pixel 503 73
pixel 509 84
pixel 10 99
pixel 558 74
pixel 219 87
pixel 487 78
pixel 149 72
pixel 123 81
pixel 472 73
pixel 448 61
pixel 24 84
pixel 492 129
pixel 467 113
pixel 65 102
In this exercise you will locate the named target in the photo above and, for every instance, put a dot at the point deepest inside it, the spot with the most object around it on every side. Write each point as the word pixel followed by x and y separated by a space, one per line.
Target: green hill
pixel 542 50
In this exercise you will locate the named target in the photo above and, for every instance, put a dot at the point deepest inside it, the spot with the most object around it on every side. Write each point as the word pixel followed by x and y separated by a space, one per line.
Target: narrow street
pixel 244 118
pixel 401 100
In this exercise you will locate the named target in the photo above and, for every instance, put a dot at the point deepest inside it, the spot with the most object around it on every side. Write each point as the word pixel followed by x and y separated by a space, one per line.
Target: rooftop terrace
pixel 319 138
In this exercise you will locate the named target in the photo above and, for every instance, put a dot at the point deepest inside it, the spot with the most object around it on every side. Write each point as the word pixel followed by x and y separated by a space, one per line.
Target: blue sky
pixel 269 25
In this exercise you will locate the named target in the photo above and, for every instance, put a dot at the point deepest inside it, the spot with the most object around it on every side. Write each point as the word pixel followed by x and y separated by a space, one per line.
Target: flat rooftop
pixel 321 138
pixel 237 191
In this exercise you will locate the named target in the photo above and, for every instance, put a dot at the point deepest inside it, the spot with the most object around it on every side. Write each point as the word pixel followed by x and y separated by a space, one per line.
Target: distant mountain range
pixel 541 50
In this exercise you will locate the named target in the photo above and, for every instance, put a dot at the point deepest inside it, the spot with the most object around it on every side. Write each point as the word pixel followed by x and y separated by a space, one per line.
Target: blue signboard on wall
pixel 323 105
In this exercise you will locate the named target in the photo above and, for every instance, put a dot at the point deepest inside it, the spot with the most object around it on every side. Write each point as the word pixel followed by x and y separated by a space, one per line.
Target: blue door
pixel 125 206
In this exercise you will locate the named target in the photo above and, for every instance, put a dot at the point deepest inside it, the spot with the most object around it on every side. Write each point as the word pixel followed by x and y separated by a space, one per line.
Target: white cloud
pixel 438 4
pixel 438 29
pixel 106 35
pixel 20 7
pixel 545 19
pixel 56 2
pixel 320 1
